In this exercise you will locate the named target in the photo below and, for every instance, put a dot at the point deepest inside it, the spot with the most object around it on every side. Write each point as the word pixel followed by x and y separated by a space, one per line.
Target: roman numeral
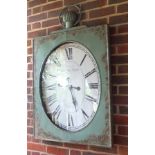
pixel 84 114
pixel 93 85
pixel 83 59
pixel 57 112
pixel 70 120
pixel 51 99
pixel 91 72
pixel 69 53
pixel 56 61
pixel 90 98
pixel 51 87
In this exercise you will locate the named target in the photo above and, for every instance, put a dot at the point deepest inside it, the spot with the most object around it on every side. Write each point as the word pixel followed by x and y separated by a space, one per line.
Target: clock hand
pixel 73 98
pixel 77 88
pixel 59 85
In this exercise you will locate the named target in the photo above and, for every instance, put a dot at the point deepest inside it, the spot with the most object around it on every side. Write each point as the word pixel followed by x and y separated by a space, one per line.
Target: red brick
pixel 29 82
pixel 29 122
pixel 36 147
pixel 123 69
pixel 52 143
pixel 114 109
pixel 53 5
pixel 29 90
pixel 28 106
pixel 113 69
pixel 113 49
pixel 94 4
pixel 120 120
pixel 28 153
pixel 35 153
pixel 123 109
pixel 30 114
pixel 123 28
pixel 95 22
pixel 73 152
pixel 36 2
pixel 120 100
pixel 29 130
pixel 28 42
pixel 29 98
pixel 37 33
pixel 28 27
pixel 119 79
pixel 116 1
pixel 55 28
pixel 29 59
pixel 69 2
pixel 94 153
pixel 123 90
pixel 114 129
pixel 29 50
pixel 37 17
pixel 57 151
pixel 29 138
pixel 106 150
pixel 118 19
pixel 112 30
pixel 122 8
pixel 30 66
pixel 36 10
pixel 50 22
pixel 29 74
pixel 77 146
pixel 121 140
pixel 84 16
pixel 54 13
pixel 122 49
pixel 36 25
pixel 123 130
pixel 36 140
pixel 114 90
pixel 123 150
pixel 29 11
pixel 102 12
pixel 119 39
pixel 119 59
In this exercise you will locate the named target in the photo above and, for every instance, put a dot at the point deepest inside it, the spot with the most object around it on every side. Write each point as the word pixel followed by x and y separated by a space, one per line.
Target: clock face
pixel 70 86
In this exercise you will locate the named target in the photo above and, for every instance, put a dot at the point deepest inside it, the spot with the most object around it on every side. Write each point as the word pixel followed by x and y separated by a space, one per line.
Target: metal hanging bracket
pixel 70 16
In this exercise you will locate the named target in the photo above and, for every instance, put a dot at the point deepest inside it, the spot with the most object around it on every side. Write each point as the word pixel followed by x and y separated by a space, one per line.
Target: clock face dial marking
pixel 90 98
pixel 70 120
pixel 51 99
pixel 93 85
pixel 84 114
pixel 70 86
pixel 89 73
pixel 83 59
pixel 51 87
pixel 69 53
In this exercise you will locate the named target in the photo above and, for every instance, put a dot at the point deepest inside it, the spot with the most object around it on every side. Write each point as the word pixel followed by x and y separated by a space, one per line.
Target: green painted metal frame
pixel 98 132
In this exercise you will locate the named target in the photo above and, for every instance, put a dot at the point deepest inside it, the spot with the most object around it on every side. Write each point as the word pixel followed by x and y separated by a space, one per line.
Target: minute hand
pixel 73 98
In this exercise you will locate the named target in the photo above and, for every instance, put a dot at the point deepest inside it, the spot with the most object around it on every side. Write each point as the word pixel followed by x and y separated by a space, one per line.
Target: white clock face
pixel 70 86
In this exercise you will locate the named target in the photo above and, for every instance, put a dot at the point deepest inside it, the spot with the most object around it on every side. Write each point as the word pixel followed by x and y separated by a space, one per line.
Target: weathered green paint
pixel 98 132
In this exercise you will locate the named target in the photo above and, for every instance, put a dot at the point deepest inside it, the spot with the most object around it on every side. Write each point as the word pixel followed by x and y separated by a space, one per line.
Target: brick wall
pixel 43 19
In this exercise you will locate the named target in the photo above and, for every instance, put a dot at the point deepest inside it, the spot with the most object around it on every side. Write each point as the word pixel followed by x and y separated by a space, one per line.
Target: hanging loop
pixel 70 16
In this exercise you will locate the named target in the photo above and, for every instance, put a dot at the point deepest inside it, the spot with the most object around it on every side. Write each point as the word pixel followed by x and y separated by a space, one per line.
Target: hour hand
pixel 77 88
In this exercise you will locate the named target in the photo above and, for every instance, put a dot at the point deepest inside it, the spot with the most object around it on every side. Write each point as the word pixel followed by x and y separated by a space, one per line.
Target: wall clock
pixel 72 86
